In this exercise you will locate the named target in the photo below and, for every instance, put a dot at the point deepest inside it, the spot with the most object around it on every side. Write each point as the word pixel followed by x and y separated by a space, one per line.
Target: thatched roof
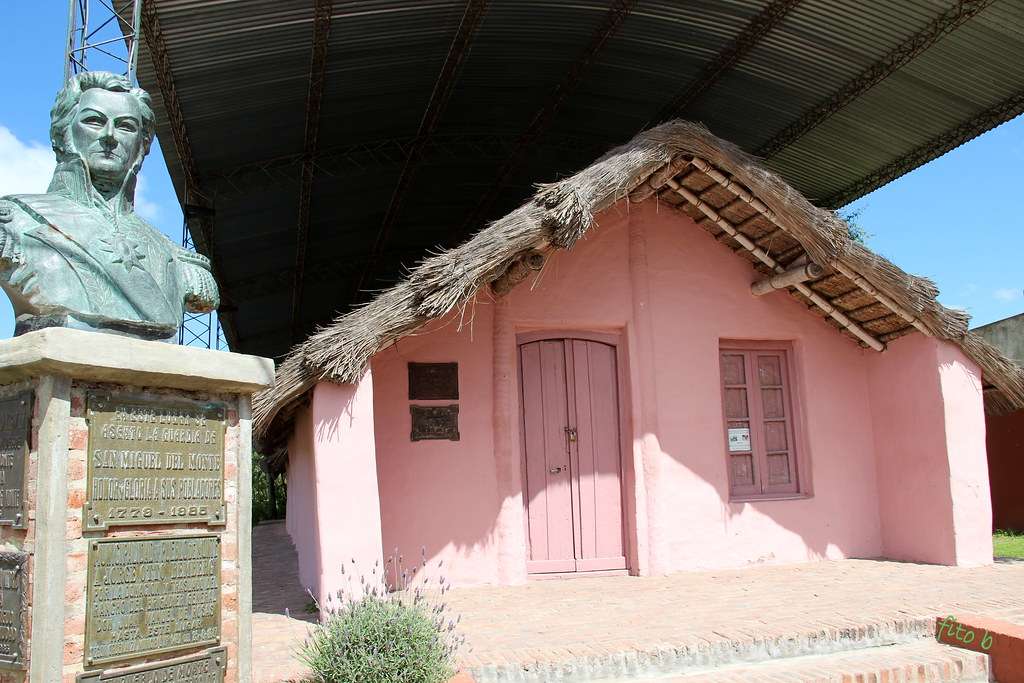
pixel 730 194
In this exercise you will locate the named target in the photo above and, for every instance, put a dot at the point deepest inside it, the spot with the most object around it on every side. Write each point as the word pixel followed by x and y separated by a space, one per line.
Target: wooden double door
pixel 572 455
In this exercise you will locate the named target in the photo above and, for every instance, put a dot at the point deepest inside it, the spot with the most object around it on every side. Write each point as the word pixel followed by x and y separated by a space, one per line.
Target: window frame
pixel 798 451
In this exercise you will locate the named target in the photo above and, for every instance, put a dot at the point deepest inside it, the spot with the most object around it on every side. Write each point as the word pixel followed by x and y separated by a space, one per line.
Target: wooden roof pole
pixel 802 273
pixel 766 259
pixel 859 280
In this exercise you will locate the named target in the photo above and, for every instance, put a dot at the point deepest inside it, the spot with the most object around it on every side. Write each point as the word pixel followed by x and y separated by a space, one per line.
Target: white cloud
pixel 25 168
pixel 1008 294
pixel 145 208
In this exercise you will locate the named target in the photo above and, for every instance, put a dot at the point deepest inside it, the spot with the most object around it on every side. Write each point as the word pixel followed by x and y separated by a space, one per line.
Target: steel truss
pixel 104 33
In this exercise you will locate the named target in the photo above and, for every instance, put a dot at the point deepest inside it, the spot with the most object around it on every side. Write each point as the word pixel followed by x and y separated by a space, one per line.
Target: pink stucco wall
pixel 930 448
pixel 301 512
pixel 672 293
pixel 333 500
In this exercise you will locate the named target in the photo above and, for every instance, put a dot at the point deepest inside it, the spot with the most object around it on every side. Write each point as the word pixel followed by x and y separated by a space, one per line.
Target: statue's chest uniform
pixel 85 267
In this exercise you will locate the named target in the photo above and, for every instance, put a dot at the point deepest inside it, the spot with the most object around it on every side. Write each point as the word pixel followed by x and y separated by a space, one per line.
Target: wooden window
pixel 759 420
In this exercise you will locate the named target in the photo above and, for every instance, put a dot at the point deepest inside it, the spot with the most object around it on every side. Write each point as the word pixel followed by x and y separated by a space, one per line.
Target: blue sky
pixel 927 222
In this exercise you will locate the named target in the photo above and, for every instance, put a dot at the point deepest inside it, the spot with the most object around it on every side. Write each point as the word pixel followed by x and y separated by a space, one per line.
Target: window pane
pixel 775 437
pixel 769 371
pixel 742 470
pixel 778 468
pixel 774 405
pixel 733 371
pixel 736 404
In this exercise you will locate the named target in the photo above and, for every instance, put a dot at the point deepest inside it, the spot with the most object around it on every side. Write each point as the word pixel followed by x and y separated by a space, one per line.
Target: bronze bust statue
pixel 79 256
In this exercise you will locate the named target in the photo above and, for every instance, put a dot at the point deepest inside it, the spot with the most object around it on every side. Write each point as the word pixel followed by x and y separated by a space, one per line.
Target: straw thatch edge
pixel 557 216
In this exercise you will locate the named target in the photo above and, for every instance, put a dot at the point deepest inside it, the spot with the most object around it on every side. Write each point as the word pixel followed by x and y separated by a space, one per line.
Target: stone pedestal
pixel 125 509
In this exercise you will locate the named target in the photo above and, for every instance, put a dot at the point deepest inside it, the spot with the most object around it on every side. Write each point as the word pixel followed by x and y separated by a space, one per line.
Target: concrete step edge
pixel 924 660
pixel 589 663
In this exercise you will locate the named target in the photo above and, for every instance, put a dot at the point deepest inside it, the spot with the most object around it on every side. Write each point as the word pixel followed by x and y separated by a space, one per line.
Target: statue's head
pixel 101 118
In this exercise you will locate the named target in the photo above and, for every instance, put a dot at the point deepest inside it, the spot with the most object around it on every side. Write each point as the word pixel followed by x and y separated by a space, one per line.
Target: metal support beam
pixel 934 148
pixel 756 29
pixel 201 229
pixel 368 157
pixel 439 97
pixel 542 120
pixel 162 68
pixel 314 97
pixel 944 24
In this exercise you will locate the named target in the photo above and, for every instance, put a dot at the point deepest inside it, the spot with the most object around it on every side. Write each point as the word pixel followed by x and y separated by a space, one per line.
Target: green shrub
pixel 376 634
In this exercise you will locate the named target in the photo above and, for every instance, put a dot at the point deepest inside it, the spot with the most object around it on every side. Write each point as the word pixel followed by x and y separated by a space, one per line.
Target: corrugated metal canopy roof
pixel 437 115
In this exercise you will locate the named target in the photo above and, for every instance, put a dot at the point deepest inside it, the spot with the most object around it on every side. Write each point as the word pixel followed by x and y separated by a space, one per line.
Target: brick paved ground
pixel 553 620
pixel 560 620
pixel 279 615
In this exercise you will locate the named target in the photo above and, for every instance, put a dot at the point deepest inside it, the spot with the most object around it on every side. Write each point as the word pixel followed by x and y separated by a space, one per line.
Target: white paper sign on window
pixel 739 439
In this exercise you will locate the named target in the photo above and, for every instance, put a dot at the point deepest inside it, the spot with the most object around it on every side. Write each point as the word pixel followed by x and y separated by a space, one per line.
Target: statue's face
pixel 107 132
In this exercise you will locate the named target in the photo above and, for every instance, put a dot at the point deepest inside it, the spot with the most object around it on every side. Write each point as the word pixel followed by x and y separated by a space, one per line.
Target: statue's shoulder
pixel 19 209
pixel 39 204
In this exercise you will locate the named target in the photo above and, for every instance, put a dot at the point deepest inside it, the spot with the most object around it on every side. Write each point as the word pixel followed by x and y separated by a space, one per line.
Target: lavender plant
pixel 391 626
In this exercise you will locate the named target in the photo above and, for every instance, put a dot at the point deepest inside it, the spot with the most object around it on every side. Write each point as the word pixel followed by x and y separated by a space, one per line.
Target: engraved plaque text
pixel 435 422
pixel 205 667
pixel 154 461
pixel 151 594
pixel 15 432
pixel 433 381
pixel 13 589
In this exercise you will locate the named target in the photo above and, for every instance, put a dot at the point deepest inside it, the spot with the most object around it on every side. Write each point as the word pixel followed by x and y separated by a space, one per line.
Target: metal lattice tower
pixel 104 35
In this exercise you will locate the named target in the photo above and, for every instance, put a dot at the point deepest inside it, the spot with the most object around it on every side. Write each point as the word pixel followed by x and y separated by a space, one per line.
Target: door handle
pixel 571 432
pixel 555 470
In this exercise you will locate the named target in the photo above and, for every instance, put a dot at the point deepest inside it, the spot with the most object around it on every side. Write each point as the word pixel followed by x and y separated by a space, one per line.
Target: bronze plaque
pixel 151 594
pixel 205 667
pixel 154 461
pixel 435 422
pixel 433 381
pixel 15 432
pixel 13 589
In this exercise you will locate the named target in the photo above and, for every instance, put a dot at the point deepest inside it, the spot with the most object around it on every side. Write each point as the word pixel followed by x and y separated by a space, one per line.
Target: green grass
pixel 1008 544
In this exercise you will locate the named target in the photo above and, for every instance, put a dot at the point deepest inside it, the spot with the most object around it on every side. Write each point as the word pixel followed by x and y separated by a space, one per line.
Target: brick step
pixel 595 662
pixel 926 662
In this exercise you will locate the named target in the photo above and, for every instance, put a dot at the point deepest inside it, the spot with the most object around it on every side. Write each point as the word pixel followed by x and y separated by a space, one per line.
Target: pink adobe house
pixel 632 405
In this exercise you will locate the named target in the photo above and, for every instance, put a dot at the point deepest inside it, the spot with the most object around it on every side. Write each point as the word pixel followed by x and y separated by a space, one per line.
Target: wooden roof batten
pixel 561 213
pixel 944 24
pixel 744 194
pixel 763 256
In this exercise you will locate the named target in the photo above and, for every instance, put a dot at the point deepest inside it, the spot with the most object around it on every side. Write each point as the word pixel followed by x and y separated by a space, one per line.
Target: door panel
pixel 597 453
pixel 549 497
pixel 574 514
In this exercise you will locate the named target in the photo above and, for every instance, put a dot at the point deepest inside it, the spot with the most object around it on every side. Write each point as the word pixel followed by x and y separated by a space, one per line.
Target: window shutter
pixel 744 471
pixel 776 424
pixel 758 410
